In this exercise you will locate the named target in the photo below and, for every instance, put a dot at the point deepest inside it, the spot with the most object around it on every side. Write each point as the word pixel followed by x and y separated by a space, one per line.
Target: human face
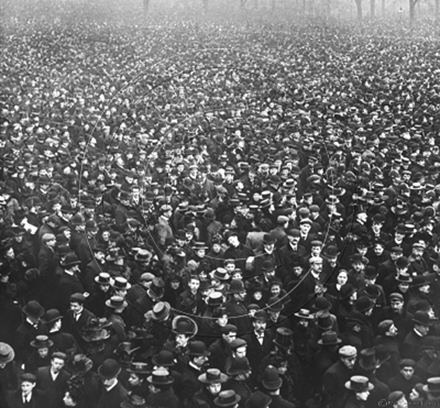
pixel 275 290
pixel 392 331
pixel 396 305
pixel 317 266
pixel 181 340
pixel 342 278
pixel 194 284
pixel 200 360
pixel 422 329
pixel 259 325
pixel 57 364
pixel 76 307
pixel 349 362
pixel 230 337
pixel 214 388
pixel 134 380
pixel 407 372
pixel 27 387
pixel 241 352
pixel 222 321
pixel 43 352
pixel 414 395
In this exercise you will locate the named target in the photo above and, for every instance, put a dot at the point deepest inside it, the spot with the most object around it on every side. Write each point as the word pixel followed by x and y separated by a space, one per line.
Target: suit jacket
pixel 112 398
pixel 15 400
pixel 23 337
pixel 68 285
pixel 75 328
pixel 53 390
pixel 256 351
pixel 220 353
pixel 334 382
pixel 279 402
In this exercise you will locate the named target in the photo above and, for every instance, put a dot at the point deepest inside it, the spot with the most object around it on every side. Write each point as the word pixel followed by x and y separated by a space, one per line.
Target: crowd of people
pixel 202 214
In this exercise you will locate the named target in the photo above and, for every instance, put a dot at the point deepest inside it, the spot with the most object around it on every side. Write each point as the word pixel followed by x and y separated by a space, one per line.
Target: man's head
pixel 57 361
pixel 229 333
pixel 348 356
pixel 407 368
pixel 28 383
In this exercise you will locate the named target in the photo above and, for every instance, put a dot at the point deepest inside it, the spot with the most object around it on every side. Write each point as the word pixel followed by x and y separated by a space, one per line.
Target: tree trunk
pixel 372 8
pixel 412 12
pixel 359 9
pixel 273 5
pixel 146 6
pixel 437 9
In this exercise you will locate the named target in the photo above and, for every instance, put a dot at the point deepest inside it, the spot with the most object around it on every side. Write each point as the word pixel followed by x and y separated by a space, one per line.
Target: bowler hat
pixel 163 359
pixel 52 315
pixel 271 379
pixel 359 383
pixel 109 369
pixel 363 304
pixel 274 304
pixel 7 353
pixel 197 349
pixel 213 375
pixel 236 286
pixel 422 318
pixel 70 260
pixel 33 309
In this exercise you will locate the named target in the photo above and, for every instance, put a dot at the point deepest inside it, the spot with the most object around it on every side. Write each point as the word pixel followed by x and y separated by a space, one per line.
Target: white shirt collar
pixel 113 386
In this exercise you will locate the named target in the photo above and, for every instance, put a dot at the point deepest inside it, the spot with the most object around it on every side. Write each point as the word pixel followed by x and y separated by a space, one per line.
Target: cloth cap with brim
pixel 33 309
pixel 227 398
pixel 347 351
pixel 109 369
pixel 213 375
pixel 271 379
pixel 359 383
pixel 7 353
pixel 161 376
pixel 77 298
pixel 28 377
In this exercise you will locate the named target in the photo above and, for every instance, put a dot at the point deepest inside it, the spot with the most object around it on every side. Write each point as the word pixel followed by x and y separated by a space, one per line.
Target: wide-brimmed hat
pixel 33 309
pixel 109 369
pixel 359 383
pixel 213 375
pixel 42 341
pixel 161 311
pixel 7 353
pixel 227 398
pixel 432 385
pixel 81 364
pixel 184 325
pixel 139 367
pixel 120 283
pixel 134 401
pixel 116 302
pixel 103 278
pixel 304 314
pixel 271 378
pixel 329 338
pixel 161 376
pixel 95 330
pixel 221 274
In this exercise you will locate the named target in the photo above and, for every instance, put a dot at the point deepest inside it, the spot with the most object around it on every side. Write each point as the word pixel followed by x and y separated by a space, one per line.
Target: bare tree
pixel 372 8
